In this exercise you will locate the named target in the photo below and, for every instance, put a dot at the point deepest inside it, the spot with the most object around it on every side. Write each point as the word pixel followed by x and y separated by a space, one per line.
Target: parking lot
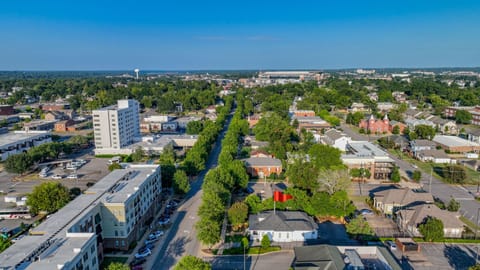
pixel 442 256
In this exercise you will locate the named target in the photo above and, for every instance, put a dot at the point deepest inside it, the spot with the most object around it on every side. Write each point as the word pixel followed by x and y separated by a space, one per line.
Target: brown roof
pixel 262 162
pixel 417 214
pixel 402 196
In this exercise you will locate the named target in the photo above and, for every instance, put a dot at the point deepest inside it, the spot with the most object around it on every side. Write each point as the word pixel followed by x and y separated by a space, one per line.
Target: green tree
pixel 4 244
pixel 254 203
pixel 212 207
pixel 19 163
pixel 181 185
pixel 362 173
pixel 417 175
pixel 454 174
pixel 325 156
pixel 138 154
pixel 190 262
pixel 425 132
pixel 396 130
pixel 265 241
pixel 208 231
pixel 302 174
pixel 360 229
pixel 240 176
pixel 118 266
pixel 474 267
pixel 115 166
pixel 194 127
pixel 395 176
pixel 453 205
pixel 238 213
pixel 431 229
pixel 48 196
pixel 463 117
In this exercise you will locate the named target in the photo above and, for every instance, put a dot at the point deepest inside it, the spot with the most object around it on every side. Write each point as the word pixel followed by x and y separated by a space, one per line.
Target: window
pixel 123 243
pixel 92 249
pixel 116 234
pixel 116 243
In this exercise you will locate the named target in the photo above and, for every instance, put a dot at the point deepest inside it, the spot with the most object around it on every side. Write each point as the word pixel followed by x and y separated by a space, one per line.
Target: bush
pixel 265 241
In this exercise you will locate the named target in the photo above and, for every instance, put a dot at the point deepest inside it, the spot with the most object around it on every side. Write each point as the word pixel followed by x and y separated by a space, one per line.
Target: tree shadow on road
pixel 231 262
pixel 459 258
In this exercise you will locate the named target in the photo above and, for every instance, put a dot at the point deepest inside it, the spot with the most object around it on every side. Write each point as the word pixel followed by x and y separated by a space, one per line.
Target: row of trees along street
pixel 219 182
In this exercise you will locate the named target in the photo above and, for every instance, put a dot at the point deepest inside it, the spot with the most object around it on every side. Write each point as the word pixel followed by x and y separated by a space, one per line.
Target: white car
pixel 155 234
pixel 72 176
pixel 391 245
pixel 57 176
pixel 143 254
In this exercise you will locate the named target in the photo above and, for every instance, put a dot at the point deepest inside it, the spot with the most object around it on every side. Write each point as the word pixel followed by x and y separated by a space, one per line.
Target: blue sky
pixel 186 35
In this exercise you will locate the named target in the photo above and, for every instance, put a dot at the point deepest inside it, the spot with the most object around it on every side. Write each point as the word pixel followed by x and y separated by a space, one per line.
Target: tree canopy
pixel 190 262
pixel 431 229
pixel 49 197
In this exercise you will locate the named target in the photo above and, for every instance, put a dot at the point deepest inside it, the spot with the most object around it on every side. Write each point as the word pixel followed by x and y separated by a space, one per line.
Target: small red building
pixel 263 166
pixel 64 126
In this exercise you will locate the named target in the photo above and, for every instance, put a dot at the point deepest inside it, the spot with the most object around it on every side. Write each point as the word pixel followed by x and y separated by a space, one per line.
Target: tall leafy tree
pixel 190 262
pixel 303 174
pixel 181 185
pixel 118 266
pixel 208 231
pixel 19 163
pixel 238 213
pixel 431 229
pixel 48 196
pixel 332 181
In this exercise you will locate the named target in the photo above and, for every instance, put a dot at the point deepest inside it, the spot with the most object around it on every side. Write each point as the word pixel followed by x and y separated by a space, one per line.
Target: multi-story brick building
pixel 375 125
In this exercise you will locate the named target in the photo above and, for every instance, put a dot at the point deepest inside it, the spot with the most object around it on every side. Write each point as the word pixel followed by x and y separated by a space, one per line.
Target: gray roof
pixel 318 257
pixel 281 221
pixel 432 153
pixel 453 141
pixel 262 161
pixel 423 143
pixel 334 134
pixel 402 196
pixel 415 215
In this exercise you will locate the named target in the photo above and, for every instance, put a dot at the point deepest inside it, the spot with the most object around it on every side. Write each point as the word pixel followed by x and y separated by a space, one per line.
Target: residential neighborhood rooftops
pixel 283 221
pixel 433 153
pixel 318 257
pixel 423 143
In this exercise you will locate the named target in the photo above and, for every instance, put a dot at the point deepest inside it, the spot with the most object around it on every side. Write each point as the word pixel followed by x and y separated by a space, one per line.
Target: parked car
pixel 72 176
pixel 71 167
pixel 143 254
pixel 57 176
pixel 136 267
pixel 163 221
pixel 156 234
pixel 249 190
pixel 366 212
pixel 145 247
pixel 150 241
pixel 138 262
pixel 391 245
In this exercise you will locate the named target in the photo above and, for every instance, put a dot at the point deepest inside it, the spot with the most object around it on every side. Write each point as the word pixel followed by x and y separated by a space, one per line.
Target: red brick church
pixel 376 125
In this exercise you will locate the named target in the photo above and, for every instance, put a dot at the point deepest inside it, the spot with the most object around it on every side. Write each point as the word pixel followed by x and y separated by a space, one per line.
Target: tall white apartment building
pixel 117 126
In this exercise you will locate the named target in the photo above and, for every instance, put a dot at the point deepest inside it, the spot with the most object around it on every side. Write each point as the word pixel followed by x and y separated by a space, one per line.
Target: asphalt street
pixel 469 206
pixel 181 238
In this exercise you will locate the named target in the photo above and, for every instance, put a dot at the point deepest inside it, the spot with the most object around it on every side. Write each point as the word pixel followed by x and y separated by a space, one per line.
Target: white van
pixel 116 159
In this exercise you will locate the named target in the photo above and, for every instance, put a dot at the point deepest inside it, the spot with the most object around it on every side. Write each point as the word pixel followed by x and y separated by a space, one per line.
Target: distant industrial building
pixel 112 214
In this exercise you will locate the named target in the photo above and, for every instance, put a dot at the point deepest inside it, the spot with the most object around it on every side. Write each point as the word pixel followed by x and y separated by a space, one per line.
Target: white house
pixel 282 226
pixel 336 139
pixel 434 155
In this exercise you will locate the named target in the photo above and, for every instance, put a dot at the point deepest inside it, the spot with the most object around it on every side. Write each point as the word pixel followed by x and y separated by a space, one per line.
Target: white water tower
pixel 136 72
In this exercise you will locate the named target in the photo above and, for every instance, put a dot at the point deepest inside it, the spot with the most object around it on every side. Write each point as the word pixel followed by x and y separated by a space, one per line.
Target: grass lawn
pixel 260 250
pixel 108 260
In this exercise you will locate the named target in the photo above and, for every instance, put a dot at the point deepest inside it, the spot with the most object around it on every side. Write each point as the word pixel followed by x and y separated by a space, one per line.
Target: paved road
pixel 278 261
pixel 181 238
pixel 469 206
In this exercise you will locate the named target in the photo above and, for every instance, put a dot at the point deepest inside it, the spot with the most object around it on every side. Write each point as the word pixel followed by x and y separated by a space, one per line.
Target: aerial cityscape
pixel 251 135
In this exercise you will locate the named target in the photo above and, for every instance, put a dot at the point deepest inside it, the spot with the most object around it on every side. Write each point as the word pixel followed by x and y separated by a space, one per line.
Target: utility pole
pixel 430 182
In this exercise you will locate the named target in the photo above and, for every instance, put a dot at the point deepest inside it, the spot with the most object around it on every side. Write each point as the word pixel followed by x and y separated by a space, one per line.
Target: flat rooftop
pixel 11 138
pixel 113 188
pixel 453 141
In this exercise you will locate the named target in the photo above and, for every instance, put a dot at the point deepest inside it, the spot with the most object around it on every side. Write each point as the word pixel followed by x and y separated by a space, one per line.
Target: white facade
pixel 117 126
pixel 275 236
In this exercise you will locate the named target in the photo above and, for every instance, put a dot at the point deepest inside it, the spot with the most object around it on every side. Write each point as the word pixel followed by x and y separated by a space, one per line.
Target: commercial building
pixel 456 144
pixel 111 214
pixel 390 200
pixel 20 141
pixel 116 127
pixel 263 166
pixel 39 125
pixel 362 154
pixel 336 139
